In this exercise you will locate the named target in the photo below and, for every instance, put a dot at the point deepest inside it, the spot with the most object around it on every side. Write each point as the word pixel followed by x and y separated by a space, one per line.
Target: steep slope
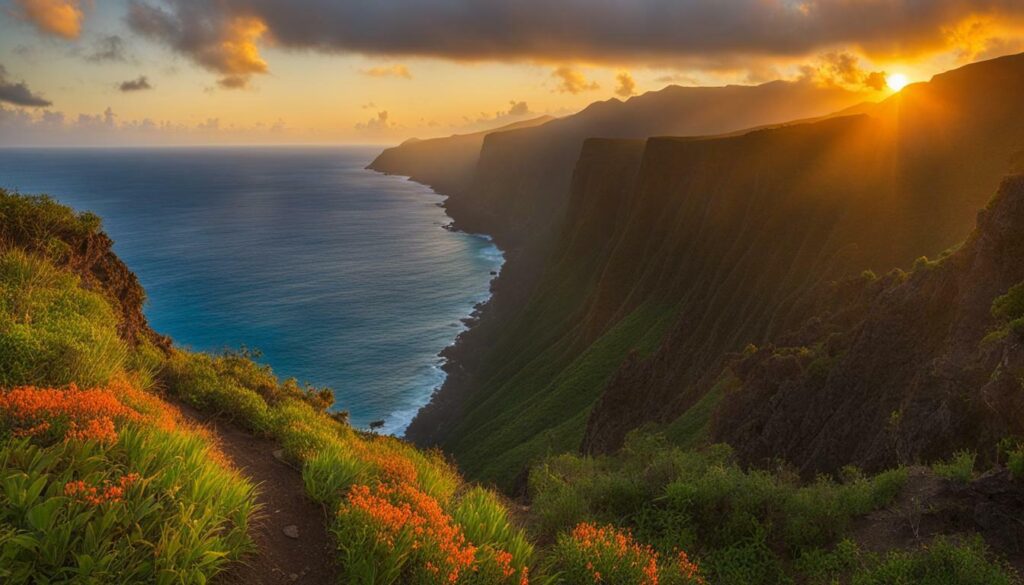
pixel 521 185
pixel 446 164
pixel 77 244
pixel 900 368
pixel 709 244
pixel 934 154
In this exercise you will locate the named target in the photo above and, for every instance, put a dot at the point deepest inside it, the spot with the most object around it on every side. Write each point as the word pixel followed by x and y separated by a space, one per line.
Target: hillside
pixel 909 366
pixel 167 466
pixel 446 164
pixel 713 243
pixel 520 187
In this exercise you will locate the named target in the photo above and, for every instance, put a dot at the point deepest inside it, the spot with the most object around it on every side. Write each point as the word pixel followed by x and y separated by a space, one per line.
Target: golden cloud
pixel 391 71
pixel 573 81
pixel 62 18
pixel 626 84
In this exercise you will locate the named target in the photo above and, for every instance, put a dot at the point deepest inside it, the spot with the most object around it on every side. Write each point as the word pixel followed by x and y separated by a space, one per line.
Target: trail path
pixel 279 557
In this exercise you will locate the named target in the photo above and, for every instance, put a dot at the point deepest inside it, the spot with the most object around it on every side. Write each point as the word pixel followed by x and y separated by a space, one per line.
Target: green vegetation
pixel 182 520
pixel 1008 310
pixel 101 480
pixel 941 562
pixel 51 330
pixel 510 430
pixel 40 224
pixel 744 526
pixel 959 468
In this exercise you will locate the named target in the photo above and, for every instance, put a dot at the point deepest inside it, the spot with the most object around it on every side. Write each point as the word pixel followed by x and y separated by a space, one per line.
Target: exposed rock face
pixel 896 372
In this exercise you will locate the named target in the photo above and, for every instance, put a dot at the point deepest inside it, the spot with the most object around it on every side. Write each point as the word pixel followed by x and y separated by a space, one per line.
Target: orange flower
pixel 603 552
pixel 73 414
pixel 108 492
pixel 398 512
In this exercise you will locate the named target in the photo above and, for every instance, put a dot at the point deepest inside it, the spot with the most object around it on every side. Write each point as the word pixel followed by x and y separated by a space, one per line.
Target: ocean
pixel 340 276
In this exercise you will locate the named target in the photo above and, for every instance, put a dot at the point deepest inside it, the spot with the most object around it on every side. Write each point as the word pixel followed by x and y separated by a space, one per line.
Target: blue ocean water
pixel 341 276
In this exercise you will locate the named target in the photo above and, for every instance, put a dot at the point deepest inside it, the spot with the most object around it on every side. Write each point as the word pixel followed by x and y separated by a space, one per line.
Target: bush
pixel 38 222
pixel 198 379
pixel 1010 306
pixel 604 554
pixel 53 332
pixel 960 468
pixel 943 562
pixel 746 526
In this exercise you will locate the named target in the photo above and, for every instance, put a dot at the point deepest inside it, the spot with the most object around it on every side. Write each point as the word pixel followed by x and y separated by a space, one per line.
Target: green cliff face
pixel 675 252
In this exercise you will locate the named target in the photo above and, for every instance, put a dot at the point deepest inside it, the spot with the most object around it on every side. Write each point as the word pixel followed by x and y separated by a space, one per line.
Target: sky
pixel 122 72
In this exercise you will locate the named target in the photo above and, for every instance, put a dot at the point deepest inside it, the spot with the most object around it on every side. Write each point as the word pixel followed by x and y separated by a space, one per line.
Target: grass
pixel 959 468
pixel 52 331
pixel 399 515
pixel 744 526
pixel 101 482
pixel 943 561
pixel 151 503
pixel 40 224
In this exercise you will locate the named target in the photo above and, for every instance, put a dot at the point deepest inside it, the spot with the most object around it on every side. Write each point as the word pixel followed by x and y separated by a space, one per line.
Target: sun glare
pixel 897 81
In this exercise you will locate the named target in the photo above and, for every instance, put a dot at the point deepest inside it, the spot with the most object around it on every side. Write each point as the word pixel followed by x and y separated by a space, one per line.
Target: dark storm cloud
pixel 611 30
pixel 19 94
pixel 108 48
pixel 135 84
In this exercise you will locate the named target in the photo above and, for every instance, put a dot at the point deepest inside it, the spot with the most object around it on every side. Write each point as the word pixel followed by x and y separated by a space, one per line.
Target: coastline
pixel 446 364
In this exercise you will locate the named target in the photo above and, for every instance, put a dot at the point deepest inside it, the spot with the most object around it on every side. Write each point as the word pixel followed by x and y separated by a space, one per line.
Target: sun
pixel 896 81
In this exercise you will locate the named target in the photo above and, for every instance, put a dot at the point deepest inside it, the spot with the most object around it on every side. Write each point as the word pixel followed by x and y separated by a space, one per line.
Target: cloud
pixel 108 48
pixel 19 127
pixel 142 83
pixel 843 70
pixel 614 31
pixel 573 81
pixel 378 123
pixel 220 42
pixel 626 85
pixel 19 94
pixel 62 18
pixel 391 71
pixel 368 106
pixel 518 109
pixel 678 79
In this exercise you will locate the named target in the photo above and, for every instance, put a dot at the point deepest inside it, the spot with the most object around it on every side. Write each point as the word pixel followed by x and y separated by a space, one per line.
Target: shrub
pixel 37 222
pixel 485 520
pixel 49 415
pixel 960 468
pixel 395 533
pixel 943 562
pixel 53 332
pixel 196 378
pixel 604 554
pixel 1009 306
pixel 1015 461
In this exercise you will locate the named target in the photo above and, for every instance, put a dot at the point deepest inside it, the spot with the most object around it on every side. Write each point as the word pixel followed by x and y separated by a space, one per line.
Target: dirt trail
pixel 279 557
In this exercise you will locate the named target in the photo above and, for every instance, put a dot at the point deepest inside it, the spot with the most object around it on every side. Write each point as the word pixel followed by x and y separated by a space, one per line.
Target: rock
pixel 291 531
pixel 279 455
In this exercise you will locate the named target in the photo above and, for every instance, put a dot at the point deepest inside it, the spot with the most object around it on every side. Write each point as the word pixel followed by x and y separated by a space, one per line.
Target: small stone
pixel 291 531
pixel 293 577
pixel 279 454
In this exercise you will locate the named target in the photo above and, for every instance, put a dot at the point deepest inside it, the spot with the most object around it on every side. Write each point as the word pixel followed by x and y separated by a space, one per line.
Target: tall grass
pixel 154 506
pixel 53 332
